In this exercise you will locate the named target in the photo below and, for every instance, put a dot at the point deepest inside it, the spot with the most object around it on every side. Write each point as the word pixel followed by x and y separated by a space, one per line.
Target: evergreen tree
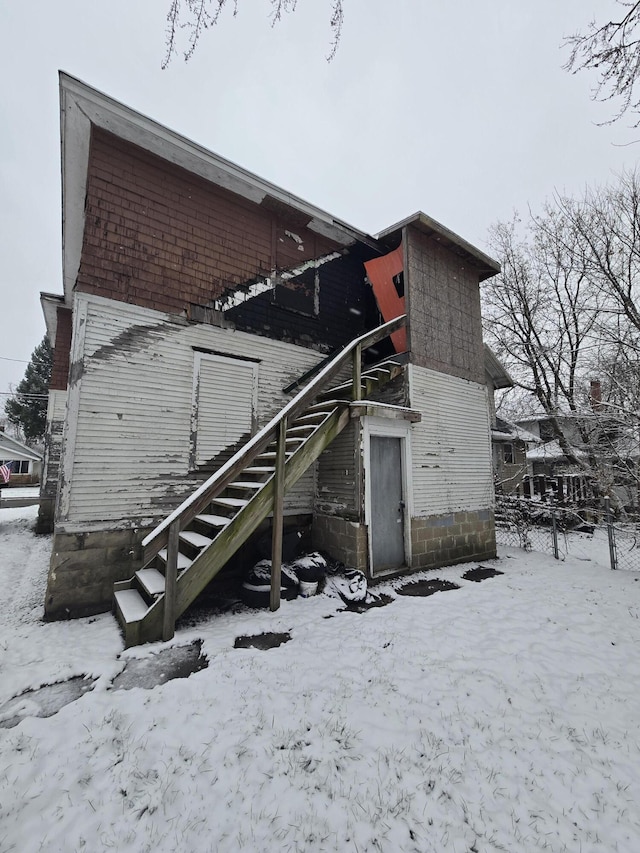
pixel 28 409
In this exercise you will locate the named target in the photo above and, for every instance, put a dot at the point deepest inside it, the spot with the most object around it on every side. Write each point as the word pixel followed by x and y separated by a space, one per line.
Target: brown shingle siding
pixel 179 238
pixel 61 352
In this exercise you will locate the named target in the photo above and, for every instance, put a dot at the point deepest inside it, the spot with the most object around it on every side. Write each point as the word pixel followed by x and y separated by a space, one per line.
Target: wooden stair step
pixel 310 416
pixel 307 429
pixel 195 539
pixel 325 407
pixel 131 605
pixel 183 561
pixel 245 484
pixel 271 455
pixel 213 520
pixel 151 580
pixel 346 386
pixel 260 469
pixel 230 503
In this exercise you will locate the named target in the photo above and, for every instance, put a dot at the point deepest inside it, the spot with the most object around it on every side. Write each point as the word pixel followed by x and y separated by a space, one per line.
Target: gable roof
pixel 82 107
pixel 496 370
pixel 485 265
pixel 506 431
pixel 12 449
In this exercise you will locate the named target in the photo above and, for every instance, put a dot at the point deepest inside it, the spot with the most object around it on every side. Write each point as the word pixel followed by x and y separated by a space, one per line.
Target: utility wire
pixel 21 360
pixel 24 396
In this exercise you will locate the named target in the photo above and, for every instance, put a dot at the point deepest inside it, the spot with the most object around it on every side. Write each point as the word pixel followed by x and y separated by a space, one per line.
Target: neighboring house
pixel 26 463
pixel 218 342
pixel 511 465
pixel 551 469
pixel 509 442
pixel 614 448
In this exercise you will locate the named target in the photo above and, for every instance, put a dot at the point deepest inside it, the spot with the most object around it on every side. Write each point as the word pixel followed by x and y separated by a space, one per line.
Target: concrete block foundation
pixel 457 537
pixel 345 540
pixel 84 567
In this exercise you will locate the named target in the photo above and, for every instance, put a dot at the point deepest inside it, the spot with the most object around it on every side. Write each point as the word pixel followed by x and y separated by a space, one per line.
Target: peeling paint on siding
pixel 132 470
pixel 249 290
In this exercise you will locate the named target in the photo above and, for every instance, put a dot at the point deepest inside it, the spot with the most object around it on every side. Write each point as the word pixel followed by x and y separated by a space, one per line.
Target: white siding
pixel 57 405
pixel 127 459
pixel 451 446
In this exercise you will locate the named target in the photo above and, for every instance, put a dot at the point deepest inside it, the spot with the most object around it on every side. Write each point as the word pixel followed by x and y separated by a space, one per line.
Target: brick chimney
pixel 595 395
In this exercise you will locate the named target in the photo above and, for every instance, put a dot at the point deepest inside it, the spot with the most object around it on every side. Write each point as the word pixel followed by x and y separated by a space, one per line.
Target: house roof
pixel 12 449
pixel 506 431
pixel 486 266
pixel 550 451
pixel 83 107
pixel 497 372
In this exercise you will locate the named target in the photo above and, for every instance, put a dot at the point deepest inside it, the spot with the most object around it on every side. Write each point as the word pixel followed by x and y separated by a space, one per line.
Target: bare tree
pixel 565 311
pixel 613 50
pixel 196 16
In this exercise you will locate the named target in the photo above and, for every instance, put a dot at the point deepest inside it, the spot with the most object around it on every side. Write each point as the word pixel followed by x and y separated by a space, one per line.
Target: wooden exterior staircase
pixel 187 549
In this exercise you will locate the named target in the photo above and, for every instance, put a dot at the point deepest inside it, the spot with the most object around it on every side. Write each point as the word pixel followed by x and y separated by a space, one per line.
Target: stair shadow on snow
pixel 162 666
pixel 45 701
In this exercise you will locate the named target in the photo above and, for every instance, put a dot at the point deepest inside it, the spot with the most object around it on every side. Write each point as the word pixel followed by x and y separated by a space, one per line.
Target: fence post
pixel 554 529
pixel 611 533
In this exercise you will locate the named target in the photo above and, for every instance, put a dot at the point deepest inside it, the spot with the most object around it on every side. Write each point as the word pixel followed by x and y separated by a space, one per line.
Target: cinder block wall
pixel 84 568
pixel 457 537
pixel 344 540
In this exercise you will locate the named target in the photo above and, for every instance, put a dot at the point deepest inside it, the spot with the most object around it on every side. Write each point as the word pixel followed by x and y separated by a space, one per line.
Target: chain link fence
pixel 626 546
pixel 563 531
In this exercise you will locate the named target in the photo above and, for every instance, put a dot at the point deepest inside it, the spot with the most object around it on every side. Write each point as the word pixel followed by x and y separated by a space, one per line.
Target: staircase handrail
pixel 204 494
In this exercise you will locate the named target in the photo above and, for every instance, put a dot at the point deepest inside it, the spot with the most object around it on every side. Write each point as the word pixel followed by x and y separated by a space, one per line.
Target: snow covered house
pixel 229 359
pixel 24 462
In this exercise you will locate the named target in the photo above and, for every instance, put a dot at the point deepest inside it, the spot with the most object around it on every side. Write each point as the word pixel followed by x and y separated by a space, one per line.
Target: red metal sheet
pixel 380 272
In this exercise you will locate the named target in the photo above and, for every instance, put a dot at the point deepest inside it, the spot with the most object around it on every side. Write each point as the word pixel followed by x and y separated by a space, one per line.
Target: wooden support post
pixel 357 373
pixel 170 581
pixel 278 504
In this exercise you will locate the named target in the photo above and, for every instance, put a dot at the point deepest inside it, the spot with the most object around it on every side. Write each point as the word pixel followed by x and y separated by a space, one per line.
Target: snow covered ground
pixel 501 716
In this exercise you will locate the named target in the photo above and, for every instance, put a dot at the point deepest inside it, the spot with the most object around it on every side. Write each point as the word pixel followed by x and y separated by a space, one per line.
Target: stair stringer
pixel 210 561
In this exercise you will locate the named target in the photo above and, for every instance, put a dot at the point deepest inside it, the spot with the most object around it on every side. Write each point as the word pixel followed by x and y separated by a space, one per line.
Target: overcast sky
pixel 460 109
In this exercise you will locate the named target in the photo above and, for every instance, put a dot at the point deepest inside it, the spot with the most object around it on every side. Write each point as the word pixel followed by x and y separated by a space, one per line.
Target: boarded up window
pixel 224 403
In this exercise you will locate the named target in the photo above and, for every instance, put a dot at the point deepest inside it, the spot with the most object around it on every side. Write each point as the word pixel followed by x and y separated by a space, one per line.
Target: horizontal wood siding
pixel 339 474
pixel 451 445
pixel 132 387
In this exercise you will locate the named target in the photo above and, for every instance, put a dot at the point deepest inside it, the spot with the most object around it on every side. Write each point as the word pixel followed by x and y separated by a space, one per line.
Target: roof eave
pixel 50 302
pixel 485 265
pixel 83 107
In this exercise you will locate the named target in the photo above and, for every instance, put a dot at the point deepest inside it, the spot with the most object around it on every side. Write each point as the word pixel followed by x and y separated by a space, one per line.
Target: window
pixel 508 455
pixel 18 466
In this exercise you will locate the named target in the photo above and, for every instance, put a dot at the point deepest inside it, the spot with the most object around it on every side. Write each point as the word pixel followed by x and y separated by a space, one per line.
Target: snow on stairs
pixel 225 518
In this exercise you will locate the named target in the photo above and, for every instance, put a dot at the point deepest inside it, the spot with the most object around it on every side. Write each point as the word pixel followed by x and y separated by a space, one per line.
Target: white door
pixel 224 405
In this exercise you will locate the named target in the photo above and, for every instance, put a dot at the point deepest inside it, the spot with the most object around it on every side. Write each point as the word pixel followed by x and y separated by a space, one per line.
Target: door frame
pixel 390 429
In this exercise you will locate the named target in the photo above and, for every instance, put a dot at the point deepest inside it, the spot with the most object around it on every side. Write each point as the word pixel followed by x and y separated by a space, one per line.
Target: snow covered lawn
pixel 500 716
